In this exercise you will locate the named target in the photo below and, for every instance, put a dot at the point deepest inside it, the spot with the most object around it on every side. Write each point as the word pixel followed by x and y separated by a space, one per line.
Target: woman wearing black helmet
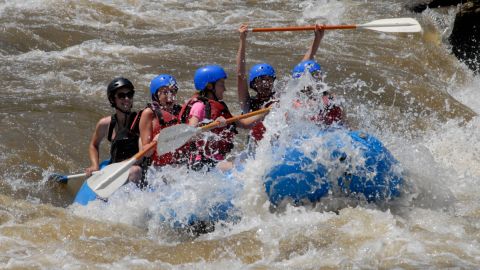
pixel 121 129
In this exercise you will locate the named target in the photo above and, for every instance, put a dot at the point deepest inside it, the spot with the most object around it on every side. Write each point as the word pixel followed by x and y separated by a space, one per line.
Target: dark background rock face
pixel 420 6
pixel 465 37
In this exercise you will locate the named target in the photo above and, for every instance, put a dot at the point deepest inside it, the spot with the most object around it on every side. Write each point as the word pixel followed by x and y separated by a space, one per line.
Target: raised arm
pixel 310 54
pixel 242 87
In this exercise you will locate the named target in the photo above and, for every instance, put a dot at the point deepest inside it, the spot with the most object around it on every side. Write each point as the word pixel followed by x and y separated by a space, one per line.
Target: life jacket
pixel 258 129
pixel 330 112
pixel 125 144
pixel 217 147
pixel 162 120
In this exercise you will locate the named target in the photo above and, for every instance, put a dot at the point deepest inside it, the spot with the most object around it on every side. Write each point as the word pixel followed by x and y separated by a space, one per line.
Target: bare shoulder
pixel 147 112
pixel 101 130
pixel 147 115
pixel 104 122
pixel 102 126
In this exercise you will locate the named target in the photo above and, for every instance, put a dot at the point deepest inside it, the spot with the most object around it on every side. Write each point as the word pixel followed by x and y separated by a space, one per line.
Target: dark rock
pixel 465 37
pixel 422 5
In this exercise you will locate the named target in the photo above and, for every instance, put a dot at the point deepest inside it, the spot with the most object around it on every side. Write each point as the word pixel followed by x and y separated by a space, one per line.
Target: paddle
pixel 174 137
pixel 60 178
pixel 399 25
pixel 113 176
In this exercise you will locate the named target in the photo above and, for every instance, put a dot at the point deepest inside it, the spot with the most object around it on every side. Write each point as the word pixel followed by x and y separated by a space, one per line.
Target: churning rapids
pixel 408 90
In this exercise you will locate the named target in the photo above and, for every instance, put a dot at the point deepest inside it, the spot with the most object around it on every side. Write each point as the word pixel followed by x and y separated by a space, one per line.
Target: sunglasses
pixel 128 94
pixel 171 90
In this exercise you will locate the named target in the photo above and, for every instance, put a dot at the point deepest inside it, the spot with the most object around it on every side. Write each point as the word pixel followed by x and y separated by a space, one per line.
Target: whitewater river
pixel 56 58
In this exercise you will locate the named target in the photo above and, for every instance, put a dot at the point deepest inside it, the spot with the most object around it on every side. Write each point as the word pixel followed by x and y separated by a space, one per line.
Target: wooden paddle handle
pixel 304 28
pixel 149 147
pixel 235 118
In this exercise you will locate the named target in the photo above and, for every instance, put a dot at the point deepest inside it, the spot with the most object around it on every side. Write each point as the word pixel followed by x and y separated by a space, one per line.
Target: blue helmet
pixel 161 81
pixel 208 74
pixel 258 70
pixel 310 65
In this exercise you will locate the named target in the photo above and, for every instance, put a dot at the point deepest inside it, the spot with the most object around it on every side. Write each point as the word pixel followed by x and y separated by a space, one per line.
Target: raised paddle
pixel 113 176
pixel 398 25
pixel 174 137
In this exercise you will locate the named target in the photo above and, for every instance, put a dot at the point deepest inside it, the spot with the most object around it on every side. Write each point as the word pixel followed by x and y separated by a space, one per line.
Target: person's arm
pixel 93 148
pixel 197 114
pixel 242 86
pixel 310 54
pixel 146 129
pixel 193 121
pixel 248 123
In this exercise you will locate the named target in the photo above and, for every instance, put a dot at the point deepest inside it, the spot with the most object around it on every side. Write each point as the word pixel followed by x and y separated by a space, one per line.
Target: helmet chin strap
pixel 213 92
pixel 215 97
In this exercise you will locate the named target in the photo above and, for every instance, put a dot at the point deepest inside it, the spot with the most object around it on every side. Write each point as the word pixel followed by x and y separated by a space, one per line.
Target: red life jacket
pixel 258 129
pixel 217 147
pixel 331 113
pixel 162 120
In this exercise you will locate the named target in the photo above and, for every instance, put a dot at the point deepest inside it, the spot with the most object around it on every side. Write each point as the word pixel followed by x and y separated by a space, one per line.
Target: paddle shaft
pixel 234 119
pixel 304 28
pixel 328 27
pixel 125 167
pixel 65 178
pixel 79 175
pixel 147 148
pixel 73 176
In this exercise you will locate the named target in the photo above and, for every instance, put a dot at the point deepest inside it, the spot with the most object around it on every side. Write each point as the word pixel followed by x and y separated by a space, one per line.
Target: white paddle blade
pixel 399 25
pixel 109 179
pixel 174 137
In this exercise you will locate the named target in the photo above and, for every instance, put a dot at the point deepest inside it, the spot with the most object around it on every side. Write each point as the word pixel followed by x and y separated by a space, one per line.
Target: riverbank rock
pixel 420 6
pixel 465 36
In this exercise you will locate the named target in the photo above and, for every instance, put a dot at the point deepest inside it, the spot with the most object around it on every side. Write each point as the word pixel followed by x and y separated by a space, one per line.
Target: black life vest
pixel 125 144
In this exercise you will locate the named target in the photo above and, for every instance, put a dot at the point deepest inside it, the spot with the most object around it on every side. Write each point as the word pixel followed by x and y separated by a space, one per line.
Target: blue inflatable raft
pixel 85 194
pixel 199 216
pixel 337 162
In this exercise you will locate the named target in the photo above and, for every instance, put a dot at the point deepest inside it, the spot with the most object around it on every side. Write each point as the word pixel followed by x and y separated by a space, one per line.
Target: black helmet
pixel 114 85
